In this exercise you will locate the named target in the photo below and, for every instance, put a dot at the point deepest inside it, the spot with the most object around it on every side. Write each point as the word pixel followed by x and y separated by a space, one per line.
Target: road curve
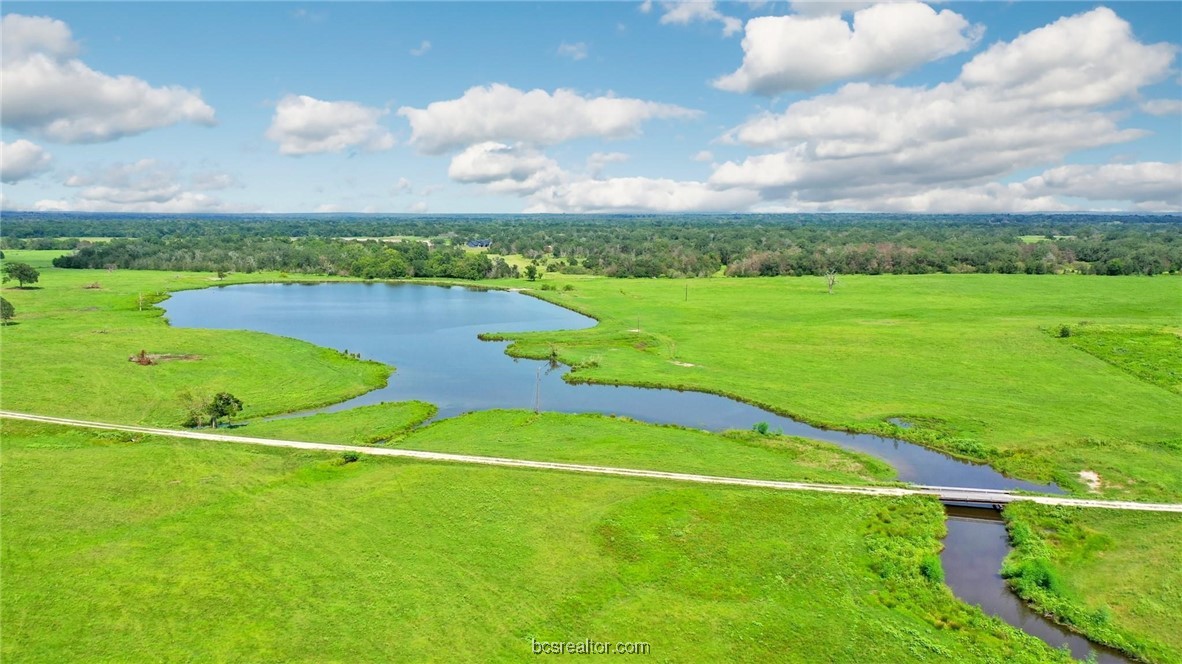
pixel 951 494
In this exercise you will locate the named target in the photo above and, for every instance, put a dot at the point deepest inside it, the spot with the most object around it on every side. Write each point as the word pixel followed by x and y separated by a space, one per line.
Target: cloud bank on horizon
pixel 650 107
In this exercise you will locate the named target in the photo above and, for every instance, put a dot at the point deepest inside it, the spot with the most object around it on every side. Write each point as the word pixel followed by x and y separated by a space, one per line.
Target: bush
pixel 761 428
pixel 1064 331
pixel 1036 572
pixel 349 457
pixel 568 287
pixel 931 570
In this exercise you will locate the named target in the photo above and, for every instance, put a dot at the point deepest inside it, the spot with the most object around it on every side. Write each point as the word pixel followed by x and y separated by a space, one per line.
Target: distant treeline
pixel 368 260
pixel 628 246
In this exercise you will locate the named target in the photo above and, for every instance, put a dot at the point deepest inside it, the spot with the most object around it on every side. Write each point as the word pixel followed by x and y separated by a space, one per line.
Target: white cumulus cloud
pixel 915 147
pixel 306 125
pixel 50 92
pixel 146 185
pixel 826 7
pixel 1084 60
pixel 1162 106
pixel 21 160
pixel 1151 184
pixel 502 113
pixel 683 12
pixel 804 52
pixel 504 168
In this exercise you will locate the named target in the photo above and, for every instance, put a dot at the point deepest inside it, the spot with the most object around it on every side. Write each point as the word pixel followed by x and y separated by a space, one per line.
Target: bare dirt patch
pixel 683 364
pixel 145 358
pixel 1090 478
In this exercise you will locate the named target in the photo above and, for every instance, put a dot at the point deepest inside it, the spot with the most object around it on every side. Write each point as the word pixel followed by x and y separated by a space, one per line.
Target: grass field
pixel 603 440
pixel 363 425
pixel 972 361
pixel 1117 577
pixel 68 352
pixel 975 363
pixel 183 550
pixel 582 438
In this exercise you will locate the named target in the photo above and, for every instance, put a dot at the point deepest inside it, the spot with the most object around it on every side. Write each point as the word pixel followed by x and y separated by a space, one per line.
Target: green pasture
pixel 1115 576
pixel 973 362
pixel 67 353
pixel 125 548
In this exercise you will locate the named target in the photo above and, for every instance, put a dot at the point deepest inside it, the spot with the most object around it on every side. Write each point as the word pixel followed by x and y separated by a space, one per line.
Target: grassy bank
pixel 603 440
pixel 1114 576
pixel 67 353
pixel 206 552
pixel 973 362
pixel 363 425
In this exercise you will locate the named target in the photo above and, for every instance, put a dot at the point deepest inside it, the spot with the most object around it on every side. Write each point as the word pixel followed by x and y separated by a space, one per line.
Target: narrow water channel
pixel 974 548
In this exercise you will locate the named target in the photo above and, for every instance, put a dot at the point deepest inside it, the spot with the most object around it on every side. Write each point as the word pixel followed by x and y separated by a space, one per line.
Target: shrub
pixel 1064 331
pixel 931 570
pixel 761 428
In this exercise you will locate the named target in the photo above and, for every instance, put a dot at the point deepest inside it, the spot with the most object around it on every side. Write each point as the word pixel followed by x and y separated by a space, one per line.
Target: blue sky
pixel 588 107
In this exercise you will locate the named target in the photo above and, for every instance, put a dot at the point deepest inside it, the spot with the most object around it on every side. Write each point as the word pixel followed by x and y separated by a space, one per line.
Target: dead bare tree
pixel 831 279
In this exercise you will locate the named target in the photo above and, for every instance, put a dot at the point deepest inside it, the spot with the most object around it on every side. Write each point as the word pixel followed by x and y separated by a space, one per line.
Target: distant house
pixel 480 244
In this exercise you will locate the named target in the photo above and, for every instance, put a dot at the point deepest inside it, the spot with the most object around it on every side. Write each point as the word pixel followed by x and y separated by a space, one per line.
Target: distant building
pixel 480 244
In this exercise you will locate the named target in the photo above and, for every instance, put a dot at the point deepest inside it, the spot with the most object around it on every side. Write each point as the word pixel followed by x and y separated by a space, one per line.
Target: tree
pixel 831 279
pixel 22 272
pixel 196 408
pixel 7 312
pixel 531 272
pixel 224 405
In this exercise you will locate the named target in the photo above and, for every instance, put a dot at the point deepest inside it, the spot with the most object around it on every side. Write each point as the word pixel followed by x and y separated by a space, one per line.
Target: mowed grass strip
pixel 968 360
pixel 68 352
pixel 120 548
pixel 1116 577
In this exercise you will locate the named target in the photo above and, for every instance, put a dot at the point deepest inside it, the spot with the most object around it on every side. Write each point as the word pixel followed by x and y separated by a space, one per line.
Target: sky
pixel 585 107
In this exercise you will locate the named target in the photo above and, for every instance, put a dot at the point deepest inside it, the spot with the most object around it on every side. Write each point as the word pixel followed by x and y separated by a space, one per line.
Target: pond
pixel 429 333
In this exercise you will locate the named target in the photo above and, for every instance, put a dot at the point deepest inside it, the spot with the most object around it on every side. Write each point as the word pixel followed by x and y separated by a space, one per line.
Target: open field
pixel 973 362
pixel 68 352
pixel 215 552
pixel 1099 399
pixel 1115 577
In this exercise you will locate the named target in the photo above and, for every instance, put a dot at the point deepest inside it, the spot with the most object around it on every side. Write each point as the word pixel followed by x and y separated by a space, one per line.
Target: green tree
pixel 531 272
pixel 196 408
pixel 224 405
pixel 22 272
pixel 7 312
